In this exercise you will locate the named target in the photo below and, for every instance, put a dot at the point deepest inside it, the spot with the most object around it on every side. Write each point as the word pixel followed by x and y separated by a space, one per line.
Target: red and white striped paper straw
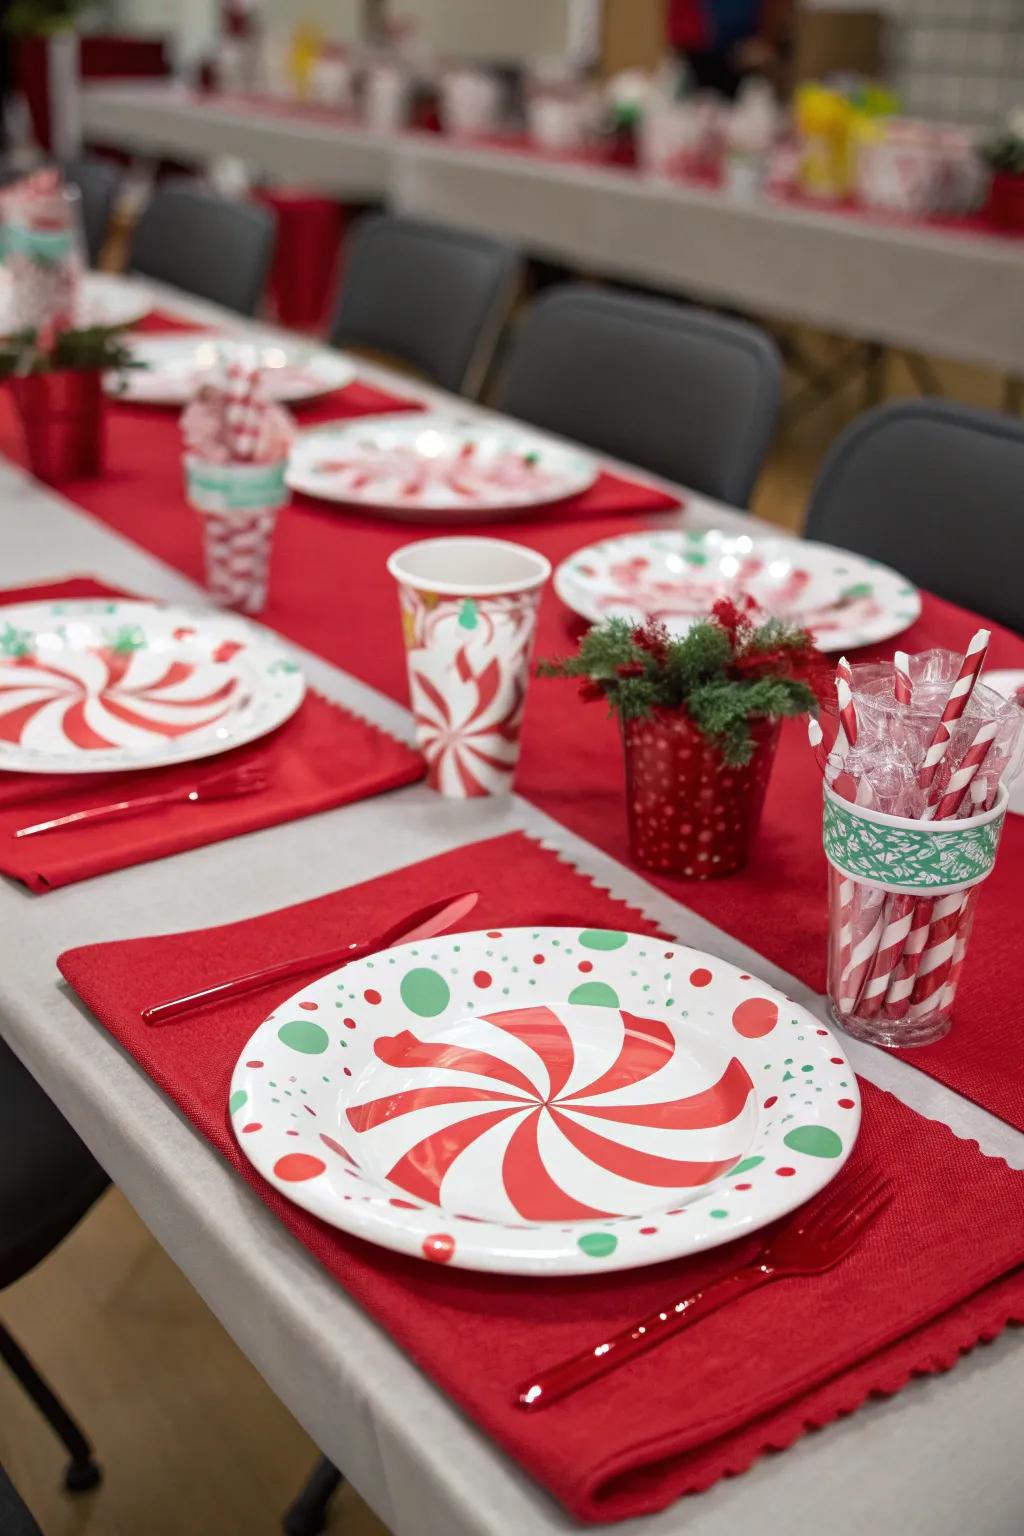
pixel 847 709
pixel 959 694
pixel 939 952
pixel 960 782
pixel 902 685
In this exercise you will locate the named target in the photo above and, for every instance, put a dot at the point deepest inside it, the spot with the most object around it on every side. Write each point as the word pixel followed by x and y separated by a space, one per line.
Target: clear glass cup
pixel 901 901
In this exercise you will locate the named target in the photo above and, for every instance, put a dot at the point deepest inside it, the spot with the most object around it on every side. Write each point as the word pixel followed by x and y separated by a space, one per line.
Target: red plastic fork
pixel 811 1242
pixel 227 785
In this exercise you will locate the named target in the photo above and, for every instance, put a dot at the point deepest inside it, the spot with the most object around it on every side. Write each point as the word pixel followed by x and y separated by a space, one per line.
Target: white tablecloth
pixel 943 1458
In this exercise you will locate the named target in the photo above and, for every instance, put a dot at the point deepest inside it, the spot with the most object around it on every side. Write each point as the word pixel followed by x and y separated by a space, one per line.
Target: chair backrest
pixel 435 297
pixel 937 491
pixel 15 1519
pixel 97 182
pixel 678 392
pixel 219 250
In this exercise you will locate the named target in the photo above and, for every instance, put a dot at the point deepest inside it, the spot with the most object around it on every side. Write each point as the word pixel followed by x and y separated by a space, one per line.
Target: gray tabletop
pixel 944 1457
pixel 955 295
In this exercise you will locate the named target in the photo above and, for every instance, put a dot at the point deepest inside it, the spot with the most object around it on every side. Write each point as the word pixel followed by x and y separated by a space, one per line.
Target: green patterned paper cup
pixel 916 858
pixel 235 487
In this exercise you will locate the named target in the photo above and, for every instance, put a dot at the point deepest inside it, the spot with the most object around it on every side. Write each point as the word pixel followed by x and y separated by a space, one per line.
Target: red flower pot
pixel 1006 201
pixel 690 813
pixel 62 415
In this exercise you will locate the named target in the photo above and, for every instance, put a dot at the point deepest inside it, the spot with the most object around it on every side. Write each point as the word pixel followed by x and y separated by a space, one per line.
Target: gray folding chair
pixel 48 1180
pixel 937 491
pixel 684 394
pixel 97 182
pixel 219 250
pixel 433 297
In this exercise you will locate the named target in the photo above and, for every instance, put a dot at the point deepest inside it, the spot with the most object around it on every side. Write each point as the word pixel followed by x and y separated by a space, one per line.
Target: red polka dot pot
pixel 690 813
pixel 619 1104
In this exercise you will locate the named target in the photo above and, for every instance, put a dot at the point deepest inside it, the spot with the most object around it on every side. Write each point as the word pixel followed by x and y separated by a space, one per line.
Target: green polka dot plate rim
pixel 544 1101
pixel 676 575
pixel 102 685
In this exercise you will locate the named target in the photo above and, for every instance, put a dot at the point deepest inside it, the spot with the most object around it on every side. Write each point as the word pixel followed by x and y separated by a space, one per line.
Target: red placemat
pixel 321 758
pixel 936 1275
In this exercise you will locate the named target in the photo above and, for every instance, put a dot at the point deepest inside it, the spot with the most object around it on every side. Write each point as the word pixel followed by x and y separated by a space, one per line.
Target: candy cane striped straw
pixel 902 685
pixel 245 407
pixel 930 927
pixel 847 710
pixel 962 777
pixel 939 950
pixel 960 693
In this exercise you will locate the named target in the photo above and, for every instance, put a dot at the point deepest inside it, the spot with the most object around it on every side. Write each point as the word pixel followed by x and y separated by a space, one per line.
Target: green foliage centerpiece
pixel 700 717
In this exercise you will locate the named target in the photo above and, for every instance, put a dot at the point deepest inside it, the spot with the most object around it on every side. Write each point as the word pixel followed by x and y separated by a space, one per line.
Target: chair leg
pixel 308 1515
pixel 82 1471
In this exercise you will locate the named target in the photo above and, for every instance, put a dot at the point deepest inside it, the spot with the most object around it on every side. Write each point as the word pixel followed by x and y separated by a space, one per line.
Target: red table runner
pixel 321 758
pixel 940 1271
pixel 330 591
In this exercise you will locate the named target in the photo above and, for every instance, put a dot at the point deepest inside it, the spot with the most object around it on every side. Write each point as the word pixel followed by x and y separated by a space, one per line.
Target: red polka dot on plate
pixel 646 1231
pixel 482 978
pixel 492 933
pixel 372 995
pixel 310 1007
pixel 538 959
pixel 785 1173
pixel 349 1023
pixel 846 1104
pixel 700 977
pixel 291 1133
pixel 439 1246
pixel 670 954
pixel 347 1071
pixel 585 965
pixel 294 1167
pixel 254 1063
pixel 837 1061
pixel 821 1031
pixel 254 1125
pixel 755 1017
pixel 743 1186
pixel 773 1100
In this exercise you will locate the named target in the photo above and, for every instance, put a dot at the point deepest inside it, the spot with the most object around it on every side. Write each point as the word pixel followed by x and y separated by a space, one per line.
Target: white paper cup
pixel 238 506
pixel 469 611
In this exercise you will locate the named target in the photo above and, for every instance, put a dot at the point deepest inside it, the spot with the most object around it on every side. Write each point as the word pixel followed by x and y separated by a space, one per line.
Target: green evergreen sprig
pixel 85 348
pixel 726 671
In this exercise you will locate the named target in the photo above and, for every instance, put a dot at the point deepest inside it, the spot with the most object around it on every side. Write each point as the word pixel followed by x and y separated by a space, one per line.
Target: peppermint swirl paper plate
pixel 104 685
pixel 544 1101
pixel 431 466
pixel 676 577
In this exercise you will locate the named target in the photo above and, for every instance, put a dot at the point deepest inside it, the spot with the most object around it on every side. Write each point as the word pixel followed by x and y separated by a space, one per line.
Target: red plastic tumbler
pixel 690 812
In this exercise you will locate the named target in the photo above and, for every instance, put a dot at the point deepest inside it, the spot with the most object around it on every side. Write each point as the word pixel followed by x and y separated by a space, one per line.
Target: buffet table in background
pixel 955 293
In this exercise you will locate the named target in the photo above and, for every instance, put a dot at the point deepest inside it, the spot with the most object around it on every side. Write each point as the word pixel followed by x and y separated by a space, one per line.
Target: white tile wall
pixel 958 59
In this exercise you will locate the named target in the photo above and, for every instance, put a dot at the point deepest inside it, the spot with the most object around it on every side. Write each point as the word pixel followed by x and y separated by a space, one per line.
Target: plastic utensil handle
pixel 105 812
pixel 238 986
pixel 424 924
pixel 558 1381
